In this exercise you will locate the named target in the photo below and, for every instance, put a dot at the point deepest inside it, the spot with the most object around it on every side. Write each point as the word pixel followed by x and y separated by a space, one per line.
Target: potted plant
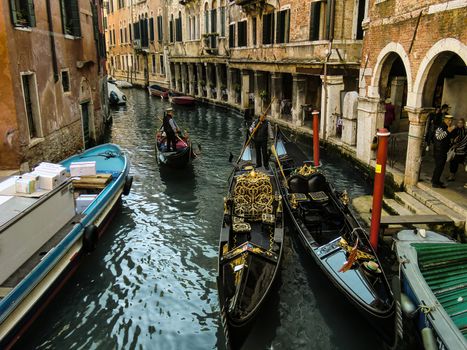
pixel 263 94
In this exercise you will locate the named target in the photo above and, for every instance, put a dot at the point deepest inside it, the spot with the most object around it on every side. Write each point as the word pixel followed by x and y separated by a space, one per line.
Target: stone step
pixel 435 204
pixel 395 208
pixel 449 203
pixel 413 204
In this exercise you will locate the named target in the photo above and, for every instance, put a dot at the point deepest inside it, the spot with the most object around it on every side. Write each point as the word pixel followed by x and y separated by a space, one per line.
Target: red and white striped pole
pixel 378 190
pixel 315 114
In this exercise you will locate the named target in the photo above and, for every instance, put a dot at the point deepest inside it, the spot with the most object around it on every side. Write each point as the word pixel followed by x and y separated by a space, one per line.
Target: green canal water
pixel 151 282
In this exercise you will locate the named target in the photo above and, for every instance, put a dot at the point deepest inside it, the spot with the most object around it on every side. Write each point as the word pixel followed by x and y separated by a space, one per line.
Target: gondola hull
pixel 183 100
pixel 330 233
pixel 250 250
pixel 179 159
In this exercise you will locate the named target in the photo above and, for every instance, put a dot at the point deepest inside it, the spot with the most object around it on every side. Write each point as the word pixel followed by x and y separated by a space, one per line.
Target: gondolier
pixel 262 133
pixel 170 127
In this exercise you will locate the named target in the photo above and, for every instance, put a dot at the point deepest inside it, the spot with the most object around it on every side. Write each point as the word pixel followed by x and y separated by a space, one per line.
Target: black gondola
pixel 250 248
pixel 180 158
pixel 333 237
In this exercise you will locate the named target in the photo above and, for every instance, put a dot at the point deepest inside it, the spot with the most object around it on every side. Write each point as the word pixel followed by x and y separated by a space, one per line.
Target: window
pixel 151 29
pixel 126 34
pixel 111 5
pixel 268 28
pixel 222 19
pixel 159 29
pixel 121 36
pixel 213 20
pixel 360 17
pixel 153 64
pixel 171 29
pixel 143 24
pixel 232 35
pixel 178 27
pixel 318 21
pixel 22 13
pixel 130 32
pixel 206 20
pixel 65 81
pixel 70 17
pixel 242 33
pixel 136 31
pixel 121 4
pixel 283 26
pixel 31 104
pixel 161 59
pixel 253 31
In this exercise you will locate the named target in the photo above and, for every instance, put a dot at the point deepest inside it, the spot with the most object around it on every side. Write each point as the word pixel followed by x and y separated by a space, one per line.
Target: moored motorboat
pixel 44 234
pixel 116 96
pixel 180 99
pixel 333 237
pixel 250 248
pixel 434 286
pixel 181 157
pixel 159 91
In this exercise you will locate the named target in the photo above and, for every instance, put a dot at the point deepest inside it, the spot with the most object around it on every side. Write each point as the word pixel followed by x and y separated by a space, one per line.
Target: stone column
pixel 171 75
pixel 349 115
pixel 183 77
pixel 230 86
pixel 199 74
pixel 370 117
pixel 331 102
pixel 276 94
pixel 178 86
pixel 298 98
pixel 245 88
pixel 218 81
pixel 209 68
pixel 397 95
pixel 417 123
pixel 259 86
pixel 191 79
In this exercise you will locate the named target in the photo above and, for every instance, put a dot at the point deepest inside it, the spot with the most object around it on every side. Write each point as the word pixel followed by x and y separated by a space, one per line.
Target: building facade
pixel 53 89
pixel 414 54
pixel 135 36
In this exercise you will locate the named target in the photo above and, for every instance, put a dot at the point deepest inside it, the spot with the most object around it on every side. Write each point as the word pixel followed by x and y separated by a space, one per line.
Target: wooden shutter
pixel 213 21
pixel 13 12
pixel 314 20
pixel 286 25
pixel 280 27
pixel 32 16
pixel 159 28
pixel 75 23
pixel 232 35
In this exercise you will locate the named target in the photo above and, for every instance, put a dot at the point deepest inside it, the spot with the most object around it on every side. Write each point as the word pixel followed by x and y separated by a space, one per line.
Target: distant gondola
pixel 176 159
pixel 250 249
pixel 180 99
pixel 333 237
pixel 159 91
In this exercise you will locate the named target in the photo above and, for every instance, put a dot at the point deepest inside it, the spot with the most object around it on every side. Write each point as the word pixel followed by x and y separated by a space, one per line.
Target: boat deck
pixel 444 267
pixel 34 260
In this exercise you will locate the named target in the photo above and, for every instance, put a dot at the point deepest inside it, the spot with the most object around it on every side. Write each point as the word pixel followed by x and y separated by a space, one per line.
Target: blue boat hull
pixel 68 253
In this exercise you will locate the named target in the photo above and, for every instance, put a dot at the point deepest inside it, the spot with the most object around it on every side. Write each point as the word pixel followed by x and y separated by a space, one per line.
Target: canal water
pixel 151 282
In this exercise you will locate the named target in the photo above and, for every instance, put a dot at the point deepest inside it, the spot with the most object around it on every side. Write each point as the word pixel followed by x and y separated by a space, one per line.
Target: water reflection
pixel 151 282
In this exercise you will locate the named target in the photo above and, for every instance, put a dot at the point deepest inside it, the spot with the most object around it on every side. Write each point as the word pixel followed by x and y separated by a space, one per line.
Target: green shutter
pixel 75 23
pixel 32 16
pixel 95 21
pixel 13 12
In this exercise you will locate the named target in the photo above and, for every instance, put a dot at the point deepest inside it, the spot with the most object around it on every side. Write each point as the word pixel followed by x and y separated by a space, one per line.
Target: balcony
pixel 257 6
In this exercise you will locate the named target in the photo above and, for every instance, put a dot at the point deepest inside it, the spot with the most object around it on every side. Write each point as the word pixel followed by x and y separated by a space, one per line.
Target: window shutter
pixel 286 25
pixel 280 27
pixel 32 16
pixel 328 21
pixel 75 23
pixel 151 29
pixel 13 12
pixel 95 20
pixel 213 21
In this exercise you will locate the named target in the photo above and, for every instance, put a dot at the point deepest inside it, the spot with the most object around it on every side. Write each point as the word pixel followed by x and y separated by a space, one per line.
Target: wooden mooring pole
pixel 315 114
pixel 378 190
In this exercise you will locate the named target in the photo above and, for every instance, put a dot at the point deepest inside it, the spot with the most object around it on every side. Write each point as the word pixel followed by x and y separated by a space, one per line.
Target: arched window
pixel 222 18
pixel 178 27
pixel 206 18
pixel 214 17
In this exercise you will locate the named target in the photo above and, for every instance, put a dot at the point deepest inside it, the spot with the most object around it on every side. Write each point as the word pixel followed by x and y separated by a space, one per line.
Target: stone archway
pixel 441 78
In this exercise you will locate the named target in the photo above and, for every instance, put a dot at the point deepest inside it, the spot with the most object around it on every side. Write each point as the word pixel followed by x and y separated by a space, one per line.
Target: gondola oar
pixel 261 119
pixel 273 149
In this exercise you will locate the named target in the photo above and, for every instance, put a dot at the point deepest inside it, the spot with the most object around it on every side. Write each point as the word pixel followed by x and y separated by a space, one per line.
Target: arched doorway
pixel 393 89
pixel 445 83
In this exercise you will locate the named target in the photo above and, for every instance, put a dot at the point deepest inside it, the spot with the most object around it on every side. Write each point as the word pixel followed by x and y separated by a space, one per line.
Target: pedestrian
pixel 441 145
pixel 171 129
pixel 433 120
pixel 389 114
pixel 263 132
pixel 459 136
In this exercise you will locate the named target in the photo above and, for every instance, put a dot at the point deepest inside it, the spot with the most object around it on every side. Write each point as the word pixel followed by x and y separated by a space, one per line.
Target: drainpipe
pixel 52 40
pixel 331 38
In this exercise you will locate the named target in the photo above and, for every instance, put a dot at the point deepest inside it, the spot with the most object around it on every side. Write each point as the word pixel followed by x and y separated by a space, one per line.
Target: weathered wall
pixel 9 130
pixel 29 50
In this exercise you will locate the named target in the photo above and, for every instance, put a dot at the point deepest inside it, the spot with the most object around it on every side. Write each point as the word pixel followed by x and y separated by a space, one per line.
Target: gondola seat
pixel 253 196
pixel 305 184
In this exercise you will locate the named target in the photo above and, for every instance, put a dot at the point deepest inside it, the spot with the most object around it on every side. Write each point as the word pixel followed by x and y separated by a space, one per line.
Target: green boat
pixel 434 287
